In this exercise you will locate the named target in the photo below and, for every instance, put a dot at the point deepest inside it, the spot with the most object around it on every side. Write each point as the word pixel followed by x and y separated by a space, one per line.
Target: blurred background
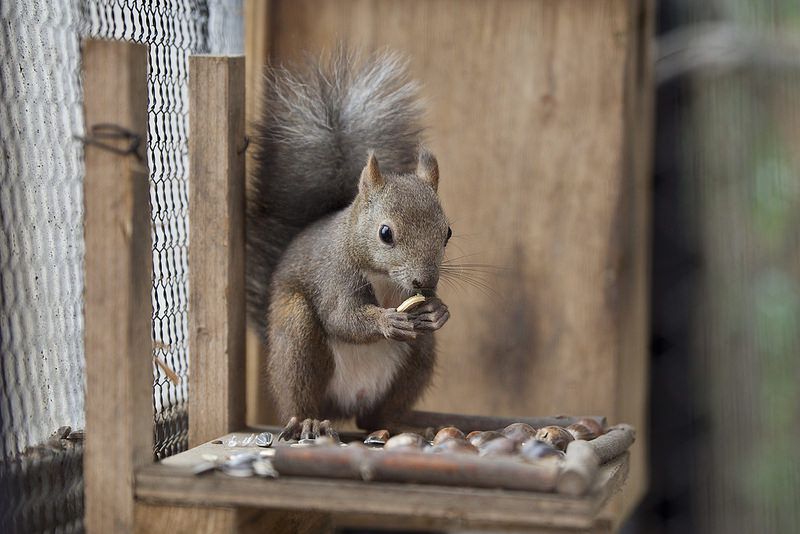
pixel 724 404
pixel 725 331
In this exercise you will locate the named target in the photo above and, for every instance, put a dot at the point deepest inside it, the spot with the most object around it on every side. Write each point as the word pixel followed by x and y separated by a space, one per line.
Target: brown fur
pixel 320 292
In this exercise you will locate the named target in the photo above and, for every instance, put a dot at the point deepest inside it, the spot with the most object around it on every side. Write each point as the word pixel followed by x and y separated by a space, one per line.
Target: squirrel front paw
pixel 397 325
pixel 431 315
pixel 307 429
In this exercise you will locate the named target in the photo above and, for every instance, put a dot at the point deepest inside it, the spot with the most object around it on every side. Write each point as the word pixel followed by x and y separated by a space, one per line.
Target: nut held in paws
pixel 410 302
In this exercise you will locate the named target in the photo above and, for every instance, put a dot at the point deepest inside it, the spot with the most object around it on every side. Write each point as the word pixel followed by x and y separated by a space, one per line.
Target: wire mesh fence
pixel 41 250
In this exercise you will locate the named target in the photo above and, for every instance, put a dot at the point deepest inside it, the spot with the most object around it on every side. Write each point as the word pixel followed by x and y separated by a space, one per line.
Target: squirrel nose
pixel 428 281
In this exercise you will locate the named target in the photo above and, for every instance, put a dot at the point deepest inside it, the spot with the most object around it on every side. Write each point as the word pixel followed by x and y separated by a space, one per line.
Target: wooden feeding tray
pixel 421 487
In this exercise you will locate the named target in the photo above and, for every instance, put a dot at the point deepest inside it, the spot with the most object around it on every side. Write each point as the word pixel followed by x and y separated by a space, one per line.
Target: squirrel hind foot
pixel 307 429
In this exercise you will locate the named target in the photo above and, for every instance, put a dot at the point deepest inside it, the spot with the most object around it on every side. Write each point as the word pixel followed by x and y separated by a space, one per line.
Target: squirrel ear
pixel 371 175
pixel 428 168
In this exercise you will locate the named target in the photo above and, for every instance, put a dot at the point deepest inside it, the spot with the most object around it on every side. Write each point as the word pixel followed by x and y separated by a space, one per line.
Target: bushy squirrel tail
pixel 320 120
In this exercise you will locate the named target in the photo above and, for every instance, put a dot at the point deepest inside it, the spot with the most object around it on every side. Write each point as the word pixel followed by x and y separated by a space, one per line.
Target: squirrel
pixel 336 241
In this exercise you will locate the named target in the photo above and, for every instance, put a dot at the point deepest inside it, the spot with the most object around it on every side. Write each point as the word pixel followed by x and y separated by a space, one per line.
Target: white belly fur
pixel 363 373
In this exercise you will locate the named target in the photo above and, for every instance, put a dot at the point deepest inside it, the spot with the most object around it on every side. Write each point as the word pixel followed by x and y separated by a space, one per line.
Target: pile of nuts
pixel 517 439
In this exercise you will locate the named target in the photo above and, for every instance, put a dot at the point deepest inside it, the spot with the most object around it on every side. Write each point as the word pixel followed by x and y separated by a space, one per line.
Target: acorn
pixel 473 434
pixel 580 431
pixel 555 435
pixel 405 440
pixel 595 427
pixel 535 450
pixel 519 432
pixel 479 438
pixel 448 433
pixel 377 438
pixel 501 446
pixel 456 446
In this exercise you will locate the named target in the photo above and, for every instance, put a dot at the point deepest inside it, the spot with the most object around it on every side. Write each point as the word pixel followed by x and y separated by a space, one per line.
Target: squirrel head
pixel 399 227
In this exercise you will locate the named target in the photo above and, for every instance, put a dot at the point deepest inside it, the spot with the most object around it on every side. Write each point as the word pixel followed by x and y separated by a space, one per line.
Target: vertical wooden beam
pixel 633 229
pixel 216 246
pixel 257 21
pixel 118 275
pixel 256 52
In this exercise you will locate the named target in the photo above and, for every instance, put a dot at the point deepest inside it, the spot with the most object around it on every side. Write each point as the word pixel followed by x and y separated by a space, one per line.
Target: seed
pixel 480 438
pixel 264 439
pixel 377 438
pixel 580 431
pixel 556 436
pixel 447 433
pixel 407 439
pixel 502 446
pixel 519 432
pixel 457 446
pixel 410 302
pixel 592 425
pixel 536 450
pixel 264 468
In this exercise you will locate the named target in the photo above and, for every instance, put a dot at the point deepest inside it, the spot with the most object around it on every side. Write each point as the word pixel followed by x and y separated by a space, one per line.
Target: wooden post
pixel 118 274
pixel 260 409
pixel 216 246
pixel 216 283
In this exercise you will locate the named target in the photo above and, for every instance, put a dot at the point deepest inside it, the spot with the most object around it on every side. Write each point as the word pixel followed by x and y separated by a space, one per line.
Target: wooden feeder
pixel 540 115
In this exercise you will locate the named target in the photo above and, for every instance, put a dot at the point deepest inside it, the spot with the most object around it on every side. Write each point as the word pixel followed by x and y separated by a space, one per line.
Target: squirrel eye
pixel 449 235
pixel 385 234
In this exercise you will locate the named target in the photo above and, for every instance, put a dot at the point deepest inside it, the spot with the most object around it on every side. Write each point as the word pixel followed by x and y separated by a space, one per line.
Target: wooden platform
pixel 413 505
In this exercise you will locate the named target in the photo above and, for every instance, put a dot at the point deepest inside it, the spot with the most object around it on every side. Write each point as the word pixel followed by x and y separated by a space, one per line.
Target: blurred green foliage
pixel 742 162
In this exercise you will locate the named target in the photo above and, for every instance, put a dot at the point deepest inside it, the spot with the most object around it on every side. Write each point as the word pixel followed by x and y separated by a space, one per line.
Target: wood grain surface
pixel 257 29
pixel 171 482
pixel 216 246
pixel 118 275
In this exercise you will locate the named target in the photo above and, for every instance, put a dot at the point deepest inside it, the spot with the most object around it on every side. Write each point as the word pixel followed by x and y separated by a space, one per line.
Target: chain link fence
pixel 41 216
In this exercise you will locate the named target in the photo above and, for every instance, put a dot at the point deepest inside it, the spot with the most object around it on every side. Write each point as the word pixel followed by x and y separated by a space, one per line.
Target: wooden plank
pixel 360 522
pixel 454 506
pixel 540 117
pixel 156 519
pixel 171 481
pixel 256 52
pixel 216 246
pixel 633 234
pixel 118 275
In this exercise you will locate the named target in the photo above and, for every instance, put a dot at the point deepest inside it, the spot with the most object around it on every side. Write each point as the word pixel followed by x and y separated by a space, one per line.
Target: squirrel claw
pixel 307 429
pixel 430 316
pixel 398 326
pixel 290 430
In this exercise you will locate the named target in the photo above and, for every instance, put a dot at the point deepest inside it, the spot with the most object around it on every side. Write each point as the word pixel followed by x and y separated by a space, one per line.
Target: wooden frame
pixel 117 309
pixel 431 506
pixel 124 490
pixel 216 250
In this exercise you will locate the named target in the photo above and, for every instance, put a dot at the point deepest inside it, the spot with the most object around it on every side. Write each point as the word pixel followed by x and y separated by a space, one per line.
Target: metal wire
pixel 41 216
